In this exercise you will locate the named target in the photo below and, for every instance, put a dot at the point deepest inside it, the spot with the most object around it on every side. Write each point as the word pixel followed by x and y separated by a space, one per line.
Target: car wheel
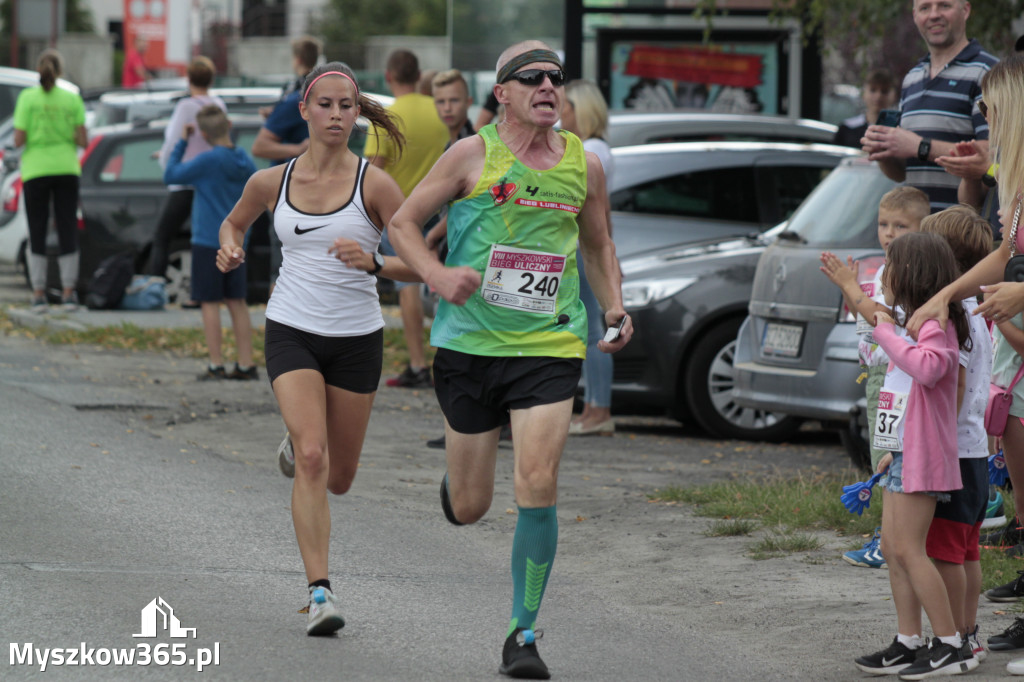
pixel 709 384
pixel 856 446
pixel 179 276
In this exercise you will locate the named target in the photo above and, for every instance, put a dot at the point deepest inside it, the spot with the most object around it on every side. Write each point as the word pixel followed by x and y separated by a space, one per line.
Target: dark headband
pixel 529 57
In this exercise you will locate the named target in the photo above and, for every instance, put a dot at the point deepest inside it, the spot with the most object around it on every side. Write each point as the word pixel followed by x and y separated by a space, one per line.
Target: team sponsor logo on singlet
pixel 502 191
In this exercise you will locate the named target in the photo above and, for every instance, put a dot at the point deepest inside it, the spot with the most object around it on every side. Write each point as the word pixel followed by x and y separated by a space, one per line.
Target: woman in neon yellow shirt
pixel 49 122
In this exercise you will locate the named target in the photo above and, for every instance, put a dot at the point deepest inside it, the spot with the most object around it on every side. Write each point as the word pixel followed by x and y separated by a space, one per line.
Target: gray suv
pixel 796 353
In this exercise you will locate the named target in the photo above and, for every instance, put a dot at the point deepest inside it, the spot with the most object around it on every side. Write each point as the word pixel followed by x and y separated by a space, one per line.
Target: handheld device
pixel 612 335
pixel 889 117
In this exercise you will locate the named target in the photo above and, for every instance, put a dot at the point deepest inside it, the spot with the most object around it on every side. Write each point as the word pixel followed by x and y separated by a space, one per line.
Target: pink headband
pixel 330 73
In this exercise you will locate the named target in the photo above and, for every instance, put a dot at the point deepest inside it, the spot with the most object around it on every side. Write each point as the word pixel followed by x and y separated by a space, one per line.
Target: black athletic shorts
pixel 209 284
pixel 476 392
pixel 352 363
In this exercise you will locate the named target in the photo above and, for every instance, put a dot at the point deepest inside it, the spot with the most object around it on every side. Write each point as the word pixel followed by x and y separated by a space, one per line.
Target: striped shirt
pixel 944 108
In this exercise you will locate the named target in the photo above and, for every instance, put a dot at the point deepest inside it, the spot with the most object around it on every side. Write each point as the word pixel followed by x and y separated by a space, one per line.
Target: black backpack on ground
pixel 109 282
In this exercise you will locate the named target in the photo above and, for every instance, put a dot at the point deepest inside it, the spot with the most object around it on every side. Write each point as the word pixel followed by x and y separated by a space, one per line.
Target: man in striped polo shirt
pixel 939 104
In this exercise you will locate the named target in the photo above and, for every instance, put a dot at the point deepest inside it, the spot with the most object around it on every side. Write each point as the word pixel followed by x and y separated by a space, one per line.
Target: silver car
pixel 668 194
pixel 630 128
pixel 797 351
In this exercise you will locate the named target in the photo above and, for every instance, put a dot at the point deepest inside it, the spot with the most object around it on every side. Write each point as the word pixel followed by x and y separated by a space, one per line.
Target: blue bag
pixel 145 293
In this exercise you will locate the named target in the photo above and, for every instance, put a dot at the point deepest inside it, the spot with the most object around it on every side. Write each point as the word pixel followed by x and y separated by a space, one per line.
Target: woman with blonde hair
pixel 1002 101
pixel 586 115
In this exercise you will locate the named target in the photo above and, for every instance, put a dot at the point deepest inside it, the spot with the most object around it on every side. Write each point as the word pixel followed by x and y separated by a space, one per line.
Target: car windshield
pixel 842 212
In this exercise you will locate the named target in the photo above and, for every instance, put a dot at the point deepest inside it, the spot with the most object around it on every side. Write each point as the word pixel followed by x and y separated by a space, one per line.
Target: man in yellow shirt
pixel 425 139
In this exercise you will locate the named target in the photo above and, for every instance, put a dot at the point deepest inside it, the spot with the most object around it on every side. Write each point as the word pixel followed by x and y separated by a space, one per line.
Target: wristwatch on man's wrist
pixel 378 263
pixel 924 149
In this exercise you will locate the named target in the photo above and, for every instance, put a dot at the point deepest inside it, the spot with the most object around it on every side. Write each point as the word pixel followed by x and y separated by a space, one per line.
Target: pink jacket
pixel 930 460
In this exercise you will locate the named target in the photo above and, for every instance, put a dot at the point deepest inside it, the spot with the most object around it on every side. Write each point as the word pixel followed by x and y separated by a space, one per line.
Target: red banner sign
pixel 692 65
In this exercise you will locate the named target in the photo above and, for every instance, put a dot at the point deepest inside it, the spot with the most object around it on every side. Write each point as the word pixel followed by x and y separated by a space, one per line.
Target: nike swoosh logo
pixel 941 661
pixel 308 229
pixel 886 662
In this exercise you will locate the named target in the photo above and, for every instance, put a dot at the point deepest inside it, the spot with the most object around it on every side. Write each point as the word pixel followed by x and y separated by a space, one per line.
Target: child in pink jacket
pixel 917 417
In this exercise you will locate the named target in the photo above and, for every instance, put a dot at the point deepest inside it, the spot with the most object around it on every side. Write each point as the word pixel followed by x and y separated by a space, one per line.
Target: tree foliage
pixel 870 26
pixel 348 23
pixel 77 16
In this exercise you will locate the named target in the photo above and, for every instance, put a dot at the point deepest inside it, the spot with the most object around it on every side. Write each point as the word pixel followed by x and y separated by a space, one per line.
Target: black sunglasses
pixel 983 108
pixel 534 77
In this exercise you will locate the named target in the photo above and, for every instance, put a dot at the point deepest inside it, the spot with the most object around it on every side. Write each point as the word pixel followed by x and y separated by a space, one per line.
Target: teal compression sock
pixel 533 553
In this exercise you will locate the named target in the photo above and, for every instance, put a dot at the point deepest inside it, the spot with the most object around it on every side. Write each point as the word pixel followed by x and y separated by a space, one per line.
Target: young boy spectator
pixel 953 536
pixel 899 211
pixel 218 176
pixel 879 92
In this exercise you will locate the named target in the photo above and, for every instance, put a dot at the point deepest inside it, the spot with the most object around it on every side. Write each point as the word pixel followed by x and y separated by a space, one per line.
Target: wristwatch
pixel 378 263
pixel 924 149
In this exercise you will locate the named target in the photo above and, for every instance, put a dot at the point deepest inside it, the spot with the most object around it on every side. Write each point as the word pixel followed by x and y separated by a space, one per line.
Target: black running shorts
pixel 352 363
pixel 476 392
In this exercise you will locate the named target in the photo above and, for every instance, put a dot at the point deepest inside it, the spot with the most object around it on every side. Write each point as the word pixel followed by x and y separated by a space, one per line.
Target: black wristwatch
pixel 924 149
pixel 988 180
pixel 378 263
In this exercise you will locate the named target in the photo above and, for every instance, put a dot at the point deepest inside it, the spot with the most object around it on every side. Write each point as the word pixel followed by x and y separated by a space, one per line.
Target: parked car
pixel 666 194
pixel 687 303
pixel 627 128
pixel 121 194
pixel 127 106
pixel 797 351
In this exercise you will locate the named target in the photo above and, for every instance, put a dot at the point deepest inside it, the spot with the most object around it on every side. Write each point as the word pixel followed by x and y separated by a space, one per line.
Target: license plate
pixel 782 339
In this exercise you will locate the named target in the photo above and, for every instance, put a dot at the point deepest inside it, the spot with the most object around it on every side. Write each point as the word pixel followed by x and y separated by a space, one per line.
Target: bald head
pixel 518 49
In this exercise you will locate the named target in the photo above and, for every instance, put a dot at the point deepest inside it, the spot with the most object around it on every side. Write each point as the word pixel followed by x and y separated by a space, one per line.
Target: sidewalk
pixel 172 317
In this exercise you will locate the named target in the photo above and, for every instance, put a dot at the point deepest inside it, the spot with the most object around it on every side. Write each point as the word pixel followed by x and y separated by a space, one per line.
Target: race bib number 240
pixel 522 279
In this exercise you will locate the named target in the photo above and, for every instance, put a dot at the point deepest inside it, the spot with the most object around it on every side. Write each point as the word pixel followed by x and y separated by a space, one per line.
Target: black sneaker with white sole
pixel 520 659
pixel 1009 639
pixel 888 661
pixel 1008 536
pixel 942 659
pixel 1011 591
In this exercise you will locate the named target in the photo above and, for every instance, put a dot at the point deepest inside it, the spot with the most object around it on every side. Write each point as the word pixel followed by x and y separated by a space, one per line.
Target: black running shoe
pixel 1011 591
pixel 437 443
pixel 520 659
pixel 942 659
pixel 446 503
pixel 1009 639
pixel 1010 535
pixel 887 661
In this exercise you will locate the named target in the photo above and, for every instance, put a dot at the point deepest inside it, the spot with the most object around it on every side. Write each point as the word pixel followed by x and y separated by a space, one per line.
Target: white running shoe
pixel 1015 667
pixel 286 456
pixel 324 614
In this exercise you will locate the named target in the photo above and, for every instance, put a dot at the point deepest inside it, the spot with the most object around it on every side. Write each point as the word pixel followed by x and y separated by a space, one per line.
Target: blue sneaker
pixel 868 556
pixel 994 515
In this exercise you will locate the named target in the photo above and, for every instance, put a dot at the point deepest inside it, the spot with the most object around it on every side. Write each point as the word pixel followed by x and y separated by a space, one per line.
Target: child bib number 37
pixel 892 408
pixel 522 279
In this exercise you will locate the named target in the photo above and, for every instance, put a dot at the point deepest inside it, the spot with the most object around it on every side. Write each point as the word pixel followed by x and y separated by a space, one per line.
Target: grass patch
pixel 188 341
pixel 731 528
pixel 808 502
pixel 782 542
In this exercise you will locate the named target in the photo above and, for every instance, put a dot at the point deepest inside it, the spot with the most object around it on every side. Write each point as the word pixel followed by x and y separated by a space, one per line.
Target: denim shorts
pixel 893 479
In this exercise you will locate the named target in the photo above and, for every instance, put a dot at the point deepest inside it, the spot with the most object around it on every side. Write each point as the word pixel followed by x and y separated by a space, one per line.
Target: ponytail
pixel 50 68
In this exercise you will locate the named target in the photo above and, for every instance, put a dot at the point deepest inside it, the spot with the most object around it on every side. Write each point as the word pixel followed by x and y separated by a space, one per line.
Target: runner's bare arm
pixel 383 198
pixel 452 177
pixel 598 250
pixel 259 195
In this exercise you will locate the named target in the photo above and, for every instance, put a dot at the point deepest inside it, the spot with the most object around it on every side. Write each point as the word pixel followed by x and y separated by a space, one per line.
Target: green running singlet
pixel 518 229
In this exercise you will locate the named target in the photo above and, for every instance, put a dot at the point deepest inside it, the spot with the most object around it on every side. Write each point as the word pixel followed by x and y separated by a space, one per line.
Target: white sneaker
pixel 1015 667
pixel 286 456
pixel 324 614
pixel 979 651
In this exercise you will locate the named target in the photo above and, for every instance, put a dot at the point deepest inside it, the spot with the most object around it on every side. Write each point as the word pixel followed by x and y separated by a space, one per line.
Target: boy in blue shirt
pixel 218 177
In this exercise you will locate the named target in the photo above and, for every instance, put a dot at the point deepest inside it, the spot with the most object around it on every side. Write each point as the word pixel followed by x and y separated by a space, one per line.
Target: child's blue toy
pixel 997 473
pixel 856 497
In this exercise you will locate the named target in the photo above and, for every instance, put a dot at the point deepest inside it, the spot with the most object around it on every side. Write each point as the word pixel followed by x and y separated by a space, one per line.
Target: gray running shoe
pixel 324 615
pixel 286 456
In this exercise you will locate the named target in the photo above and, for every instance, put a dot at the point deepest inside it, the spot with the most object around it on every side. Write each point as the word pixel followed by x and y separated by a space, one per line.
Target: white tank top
pixel 316 292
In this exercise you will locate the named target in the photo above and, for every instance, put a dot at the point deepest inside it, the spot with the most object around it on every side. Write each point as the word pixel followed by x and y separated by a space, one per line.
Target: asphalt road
pixel 124 480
